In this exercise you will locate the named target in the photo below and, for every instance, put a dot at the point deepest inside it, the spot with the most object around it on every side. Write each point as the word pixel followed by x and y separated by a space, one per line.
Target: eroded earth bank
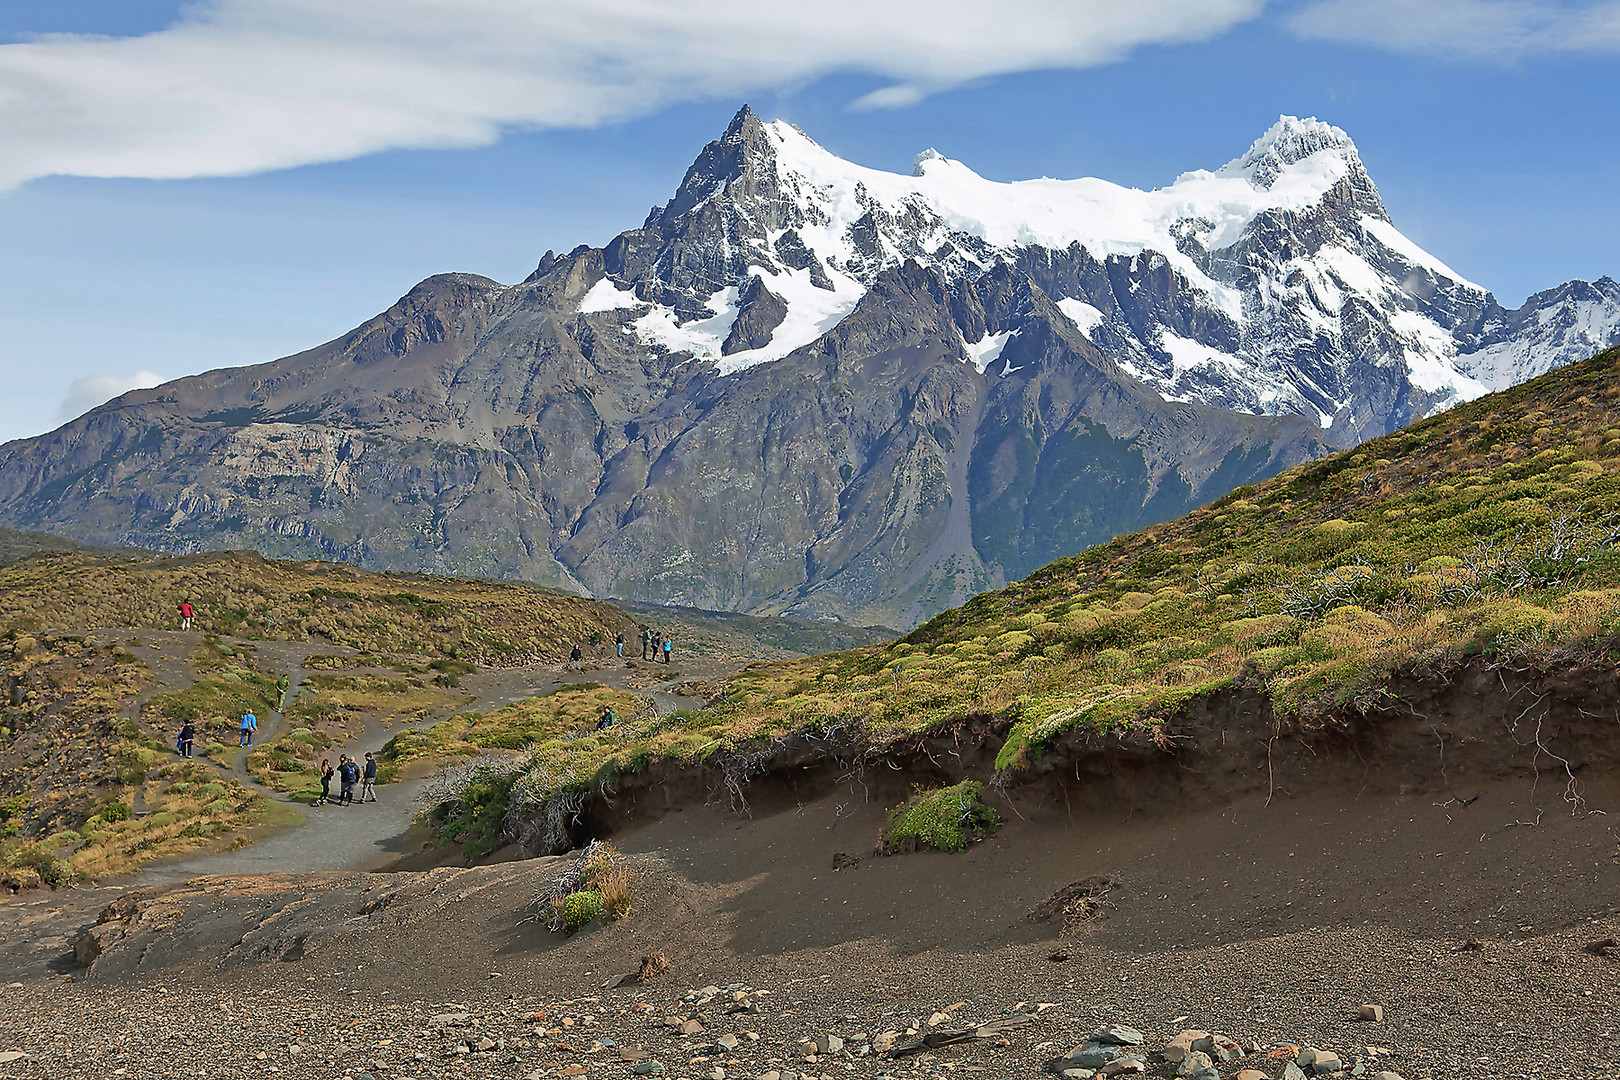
pixel 1448 855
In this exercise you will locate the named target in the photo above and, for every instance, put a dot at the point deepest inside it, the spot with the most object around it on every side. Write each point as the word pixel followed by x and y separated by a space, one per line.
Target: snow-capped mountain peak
pixel 1289 142
pixel 1273 284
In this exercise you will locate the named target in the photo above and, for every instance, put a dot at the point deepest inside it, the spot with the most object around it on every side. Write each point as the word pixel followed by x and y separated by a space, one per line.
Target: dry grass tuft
pixel 653 965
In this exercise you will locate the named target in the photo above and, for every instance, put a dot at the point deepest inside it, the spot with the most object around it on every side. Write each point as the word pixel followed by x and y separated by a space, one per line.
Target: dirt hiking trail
pixel 372 835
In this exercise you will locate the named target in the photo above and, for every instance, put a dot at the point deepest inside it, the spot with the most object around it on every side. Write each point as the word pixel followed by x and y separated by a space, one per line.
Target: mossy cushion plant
pixel 579 908
pixel 945 819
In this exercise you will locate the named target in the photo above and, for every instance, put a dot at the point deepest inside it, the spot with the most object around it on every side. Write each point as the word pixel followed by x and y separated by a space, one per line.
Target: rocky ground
pixel 1267 927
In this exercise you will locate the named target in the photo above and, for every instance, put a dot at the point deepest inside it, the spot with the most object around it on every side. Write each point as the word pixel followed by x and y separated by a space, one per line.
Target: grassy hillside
pixel 16 545
pixel 1488 530
pixel 244 595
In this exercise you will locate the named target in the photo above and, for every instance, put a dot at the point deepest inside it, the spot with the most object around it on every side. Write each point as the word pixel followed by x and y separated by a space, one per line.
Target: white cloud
pixel 86 393
pixel 241 86
pixel 1473 29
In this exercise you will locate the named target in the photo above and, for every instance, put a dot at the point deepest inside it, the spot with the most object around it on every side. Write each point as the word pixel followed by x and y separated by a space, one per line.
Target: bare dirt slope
pixel 1266 922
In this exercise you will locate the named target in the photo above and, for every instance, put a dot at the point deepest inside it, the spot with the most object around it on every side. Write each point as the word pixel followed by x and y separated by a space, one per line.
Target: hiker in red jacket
pixel 187 613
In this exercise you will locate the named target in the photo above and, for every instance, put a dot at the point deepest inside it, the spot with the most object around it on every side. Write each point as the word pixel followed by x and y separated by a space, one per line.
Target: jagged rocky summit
pixel 807 387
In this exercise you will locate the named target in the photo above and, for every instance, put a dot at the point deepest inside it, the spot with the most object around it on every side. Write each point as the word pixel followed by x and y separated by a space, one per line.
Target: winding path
pixel 372 835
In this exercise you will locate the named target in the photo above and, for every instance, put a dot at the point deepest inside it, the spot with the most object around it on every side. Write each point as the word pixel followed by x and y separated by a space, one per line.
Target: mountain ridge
pixel 794 391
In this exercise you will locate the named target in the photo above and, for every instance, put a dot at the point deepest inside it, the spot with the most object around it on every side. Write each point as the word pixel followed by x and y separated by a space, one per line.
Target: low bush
pixel 580 908
pixel 945 819
pixel 599 882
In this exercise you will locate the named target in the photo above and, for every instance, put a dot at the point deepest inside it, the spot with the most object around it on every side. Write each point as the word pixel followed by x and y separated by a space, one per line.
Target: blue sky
pixel 191 186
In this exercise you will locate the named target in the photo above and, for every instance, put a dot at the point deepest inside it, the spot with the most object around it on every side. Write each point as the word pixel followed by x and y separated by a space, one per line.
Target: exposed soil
pixel 1262 884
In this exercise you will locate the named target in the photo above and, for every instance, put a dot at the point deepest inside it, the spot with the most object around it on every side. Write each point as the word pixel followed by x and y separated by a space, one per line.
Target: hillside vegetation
pixel 243 595
pixel 1486 531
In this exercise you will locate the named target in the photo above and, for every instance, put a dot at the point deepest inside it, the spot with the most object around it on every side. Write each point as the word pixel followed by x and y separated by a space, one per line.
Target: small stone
pixel 708 991
pixel 1094 1055
pixel 8 1056
pixel 1124 1066
pixel 1291 1071
pixel 717 1073
pixel 1195 1063
pixel 728 1041
pixel 1386 1075
pixel 574 1070
pixel 1118 1035
pixel 1078 1074
pixel 294 1049
pixel 1374 1013
pixel 451 1019
pixel 632 1053
pixel 938 1019
pixel 1306 1058
pixel 1326 1062
pixel 691 1027
pixel 884 1042
pixel 826 1044
pixel 1182 1045
pixel 1223 1049
pixel 771 1074
pixel 484 1044
pixel 1250 1074
pixel 648 1068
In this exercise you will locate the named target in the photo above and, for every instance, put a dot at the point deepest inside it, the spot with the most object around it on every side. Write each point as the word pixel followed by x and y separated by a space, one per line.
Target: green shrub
pixel 580 908
pixel 130 763
pixel 112 812
pixel 945 819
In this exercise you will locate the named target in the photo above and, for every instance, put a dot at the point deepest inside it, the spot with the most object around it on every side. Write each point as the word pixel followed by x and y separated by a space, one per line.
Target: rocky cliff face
pixel 806 387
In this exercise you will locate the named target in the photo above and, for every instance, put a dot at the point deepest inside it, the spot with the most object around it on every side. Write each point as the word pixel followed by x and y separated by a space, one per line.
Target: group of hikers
pixel 348 773
pixel 186 737
pixel 654 643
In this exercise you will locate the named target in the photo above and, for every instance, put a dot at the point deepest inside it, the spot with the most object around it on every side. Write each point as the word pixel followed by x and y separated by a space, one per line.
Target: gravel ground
pixel 1540 1007
pixel 1271 921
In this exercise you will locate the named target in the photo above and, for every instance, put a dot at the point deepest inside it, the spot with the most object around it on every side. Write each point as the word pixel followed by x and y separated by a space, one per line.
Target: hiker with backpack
pixel 368 776
pixel 347 774
pixel 327 772
pixel 183 741
pixel 250 724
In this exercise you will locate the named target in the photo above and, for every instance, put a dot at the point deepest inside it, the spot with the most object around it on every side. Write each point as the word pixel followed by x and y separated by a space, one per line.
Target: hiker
pixel 327 773
pixel 646 641
pixel 608 719
pixel 346 777
pixel 368 789
pixel 619 643
pixel 250 724
pixel 668 644
pixel 657 644
pixel 574 656
pixel 187 613
pixel 183 741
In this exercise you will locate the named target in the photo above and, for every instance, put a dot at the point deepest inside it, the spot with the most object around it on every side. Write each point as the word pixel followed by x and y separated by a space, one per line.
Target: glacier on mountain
pixel 1274 284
